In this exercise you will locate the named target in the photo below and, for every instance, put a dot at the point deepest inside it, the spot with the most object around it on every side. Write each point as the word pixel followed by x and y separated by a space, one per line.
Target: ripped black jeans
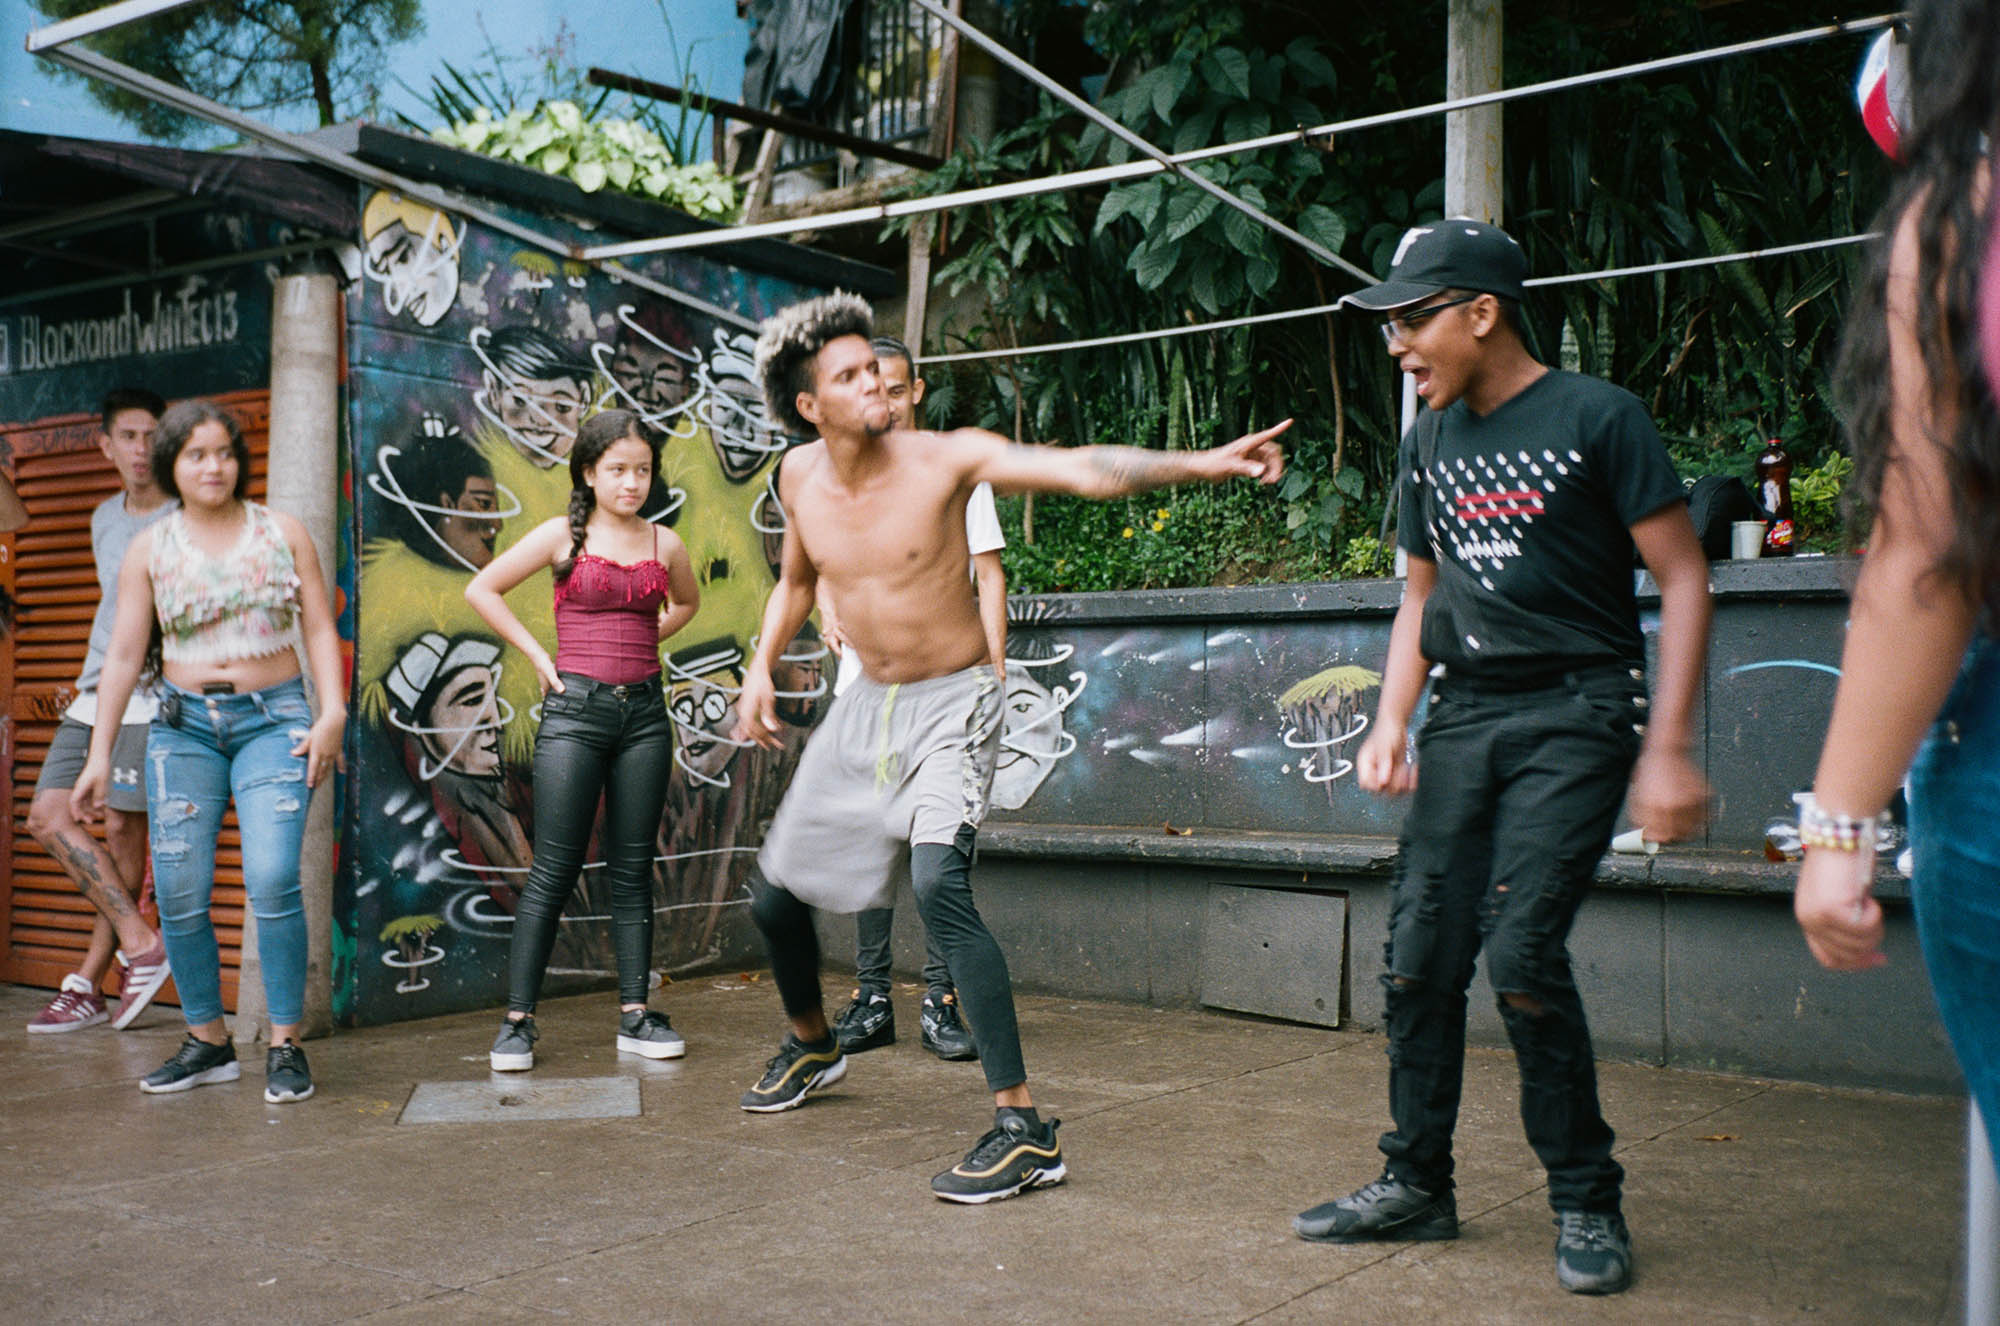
pixel 1517 794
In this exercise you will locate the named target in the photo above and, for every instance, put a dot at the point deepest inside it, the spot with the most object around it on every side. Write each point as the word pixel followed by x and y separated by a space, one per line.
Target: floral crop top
pixel 243 604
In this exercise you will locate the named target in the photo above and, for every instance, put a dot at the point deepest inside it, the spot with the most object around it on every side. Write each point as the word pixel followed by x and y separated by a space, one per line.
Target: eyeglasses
pixel 1402 326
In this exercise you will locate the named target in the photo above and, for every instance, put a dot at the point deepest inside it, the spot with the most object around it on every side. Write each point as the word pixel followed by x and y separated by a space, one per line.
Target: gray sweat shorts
pixel 889 766
pixel 69 751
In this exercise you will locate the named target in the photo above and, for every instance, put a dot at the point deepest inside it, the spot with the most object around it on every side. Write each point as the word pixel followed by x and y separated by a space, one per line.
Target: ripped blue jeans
pixel 213 748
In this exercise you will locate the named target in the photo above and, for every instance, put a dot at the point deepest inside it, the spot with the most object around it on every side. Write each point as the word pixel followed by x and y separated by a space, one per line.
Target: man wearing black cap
pixel 1524 492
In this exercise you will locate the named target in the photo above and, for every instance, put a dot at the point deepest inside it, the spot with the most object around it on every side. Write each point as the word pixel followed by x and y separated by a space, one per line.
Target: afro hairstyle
pixel 792 339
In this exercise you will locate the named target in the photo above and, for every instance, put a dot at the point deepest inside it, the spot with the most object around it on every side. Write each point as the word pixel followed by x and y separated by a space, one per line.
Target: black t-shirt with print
pixel 1526 513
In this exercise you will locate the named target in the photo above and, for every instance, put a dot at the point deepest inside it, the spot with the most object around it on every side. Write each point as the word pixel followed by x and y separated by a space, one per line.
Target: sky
pixel 623 35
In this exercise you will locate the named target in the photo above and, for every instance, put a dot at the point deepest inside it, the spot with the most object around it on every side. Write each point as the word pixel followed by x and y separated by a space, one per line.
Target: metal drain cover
pixel 502 1101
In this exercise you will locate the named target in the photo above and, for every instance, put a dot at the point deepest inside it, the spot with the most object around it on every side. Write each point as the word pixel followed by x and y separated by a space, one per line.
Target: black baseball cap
pixel 1457 254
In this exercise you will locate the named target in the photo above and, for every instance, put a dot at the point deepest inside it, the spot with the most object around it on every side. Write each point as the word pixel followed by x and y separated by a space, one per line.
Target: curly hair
pixel 790 343
pixel 1955 86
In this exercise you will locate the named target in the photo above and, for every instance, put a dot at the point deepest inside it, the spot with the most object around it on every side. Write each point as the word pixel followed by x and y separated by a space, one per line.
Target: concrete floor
pixel 1191 1140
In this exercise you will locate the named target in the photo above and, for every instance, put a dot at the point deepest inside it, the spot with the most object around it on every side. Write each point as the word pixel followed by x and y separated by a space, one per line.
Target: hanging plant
pixel 556 137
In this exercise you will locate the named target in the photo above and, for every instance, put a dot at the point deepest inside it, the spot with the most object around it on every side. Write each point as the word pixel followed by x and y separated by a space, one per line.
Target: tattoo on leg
pixel 86 863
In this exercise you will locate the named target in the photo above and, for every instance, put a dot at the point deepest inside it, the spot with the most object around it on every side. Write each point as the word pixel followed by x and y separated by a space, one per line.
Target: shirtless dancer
pixel 894 782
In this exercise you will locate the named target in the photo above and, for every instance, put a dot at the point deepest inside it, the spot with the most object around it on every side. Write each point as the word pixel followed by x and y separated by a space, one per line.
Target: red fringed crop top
pixel 608 619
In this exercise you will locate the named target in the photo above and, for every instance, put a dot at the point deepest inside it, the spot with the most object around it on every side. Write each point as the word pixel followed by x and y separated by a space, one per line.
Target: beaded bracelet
pixel 1837 832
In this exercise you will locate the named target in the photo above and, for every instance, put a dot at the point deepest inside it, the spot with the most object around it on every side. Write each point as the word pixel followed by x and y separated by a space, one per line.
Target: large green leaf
pixel 1187 208
pixel 1227 70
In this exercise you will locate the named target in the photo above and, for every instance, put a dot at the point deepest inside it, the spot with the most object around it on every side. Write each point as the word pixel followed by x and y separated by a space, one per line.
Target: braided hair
pixel 598 435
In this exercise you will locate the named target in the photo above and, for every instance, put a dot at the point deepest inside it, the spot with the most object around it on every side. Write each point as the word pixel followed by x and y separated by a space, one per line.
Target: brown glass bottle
pixel 1774 495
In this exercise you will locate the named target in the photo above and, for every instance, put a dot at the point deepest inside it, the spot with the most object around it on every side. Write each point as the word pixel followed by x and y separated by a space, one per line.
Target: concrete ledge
pixel 1668 871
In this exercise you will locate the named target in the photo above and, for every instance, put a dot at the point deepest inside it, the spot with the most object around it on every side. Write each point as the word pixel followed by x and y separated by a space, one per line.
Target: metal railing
pixel 889 92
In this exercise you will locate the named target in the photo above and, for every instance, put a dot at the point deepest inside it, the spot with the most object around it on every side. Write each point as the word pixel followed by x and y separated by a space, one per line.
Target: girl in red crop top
pixel 623 585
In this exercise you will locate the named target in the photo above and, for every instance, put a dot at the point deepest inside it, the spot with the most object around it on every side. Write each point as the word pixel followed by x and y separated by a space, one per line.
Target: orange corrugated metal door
pixel 62 476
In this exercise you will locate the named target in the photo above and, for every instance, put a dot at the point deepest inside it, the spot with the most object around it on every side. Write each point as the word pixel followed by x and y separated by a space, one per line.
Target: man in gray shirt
pixel 109 874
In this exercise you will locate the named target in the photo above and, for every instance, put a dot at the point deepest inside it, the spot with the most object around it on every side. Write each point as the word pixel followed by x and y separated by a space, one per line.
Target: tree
pixel 253 55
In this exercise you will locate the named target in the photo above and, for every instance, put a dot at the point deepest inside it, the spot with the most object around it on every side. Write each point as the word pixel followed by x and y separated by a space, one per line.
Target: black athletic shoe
pixel 1018 1154
pixel 195 1064
pixel 286 1075
pixel 1387 1210
pixel 514 1048
pixel 867 1023
pixel 943 1034
pixel 642 1031
pixel 1593 1252
pixel 794 1070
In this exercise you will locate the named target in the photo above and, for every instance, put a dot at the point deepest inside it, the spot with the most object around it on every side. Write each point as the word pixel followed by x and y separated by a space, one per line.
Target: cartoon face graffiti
pixel 707 679
pixel 412 252
pixel 446 697
pixel 732 405
pixel 450 505
pixel 1032 737
pixel 533 389
pixel 650 364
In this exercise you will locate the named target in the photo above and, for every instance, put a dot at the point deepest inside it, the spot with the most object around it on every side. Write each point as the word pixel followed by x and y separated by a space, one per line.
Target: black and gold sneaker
pixel 1020 1153
pixel 794 1070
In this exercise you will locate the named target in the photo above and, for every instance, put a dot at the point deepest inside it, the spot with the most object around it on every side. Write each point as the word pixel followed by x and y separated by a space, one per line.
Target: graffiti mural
pixel 473 363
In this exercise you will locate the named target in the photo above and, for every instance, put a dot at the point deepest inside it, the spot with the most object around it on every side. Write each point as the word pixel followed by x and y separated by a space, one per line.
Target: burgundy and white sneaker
pixel 144 975
pixel 77 1005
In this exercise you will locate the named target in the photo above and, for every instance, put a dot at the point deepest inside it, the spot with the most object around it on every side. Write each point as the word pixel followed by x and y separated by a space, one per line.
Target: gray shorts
pixel 887 767
pixel 69 751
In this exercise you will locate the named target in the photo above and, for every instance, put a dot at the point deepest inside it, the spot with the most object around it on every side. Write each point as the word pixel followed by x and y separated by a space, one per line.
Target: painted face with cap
pixel 447 697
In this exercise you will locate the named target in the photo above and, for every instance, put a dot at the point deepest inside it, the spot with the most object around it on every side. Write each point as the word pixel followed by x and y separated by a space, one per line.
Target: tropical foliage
pixel 1714 158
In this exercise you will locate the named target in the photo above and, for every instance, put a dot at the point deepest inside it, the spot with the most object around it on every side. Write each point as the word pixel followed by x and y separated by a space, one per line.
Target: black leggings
pixel 941 874
pixel 597 741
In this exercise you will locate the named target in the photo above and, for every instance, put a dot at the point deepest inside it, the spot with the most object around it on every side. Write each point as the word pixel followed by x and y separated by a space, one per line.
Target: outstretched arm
pixel 1103 472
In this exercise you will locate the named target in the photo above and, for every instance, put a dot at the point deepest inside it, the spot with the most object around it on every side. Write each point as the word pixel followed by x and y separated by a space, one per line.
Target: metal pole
pixel 100 20
pixel 999 51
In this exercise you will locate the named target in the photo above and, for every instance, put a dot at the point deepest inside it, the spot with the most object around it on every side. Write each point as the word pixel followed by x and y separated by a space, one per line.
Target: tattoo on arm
pixel 1134 470
pixel 84 861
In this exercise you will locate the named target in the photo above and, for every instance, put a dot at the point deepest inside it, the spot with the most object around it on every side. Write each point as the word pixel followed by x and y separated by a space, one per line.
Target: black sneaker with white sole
pixel 796 1069
pixel 195 1064
pixel 514 1048
pixel 287 1076
pixel 867 1023
pixel 642 1031
pixel 1020 1153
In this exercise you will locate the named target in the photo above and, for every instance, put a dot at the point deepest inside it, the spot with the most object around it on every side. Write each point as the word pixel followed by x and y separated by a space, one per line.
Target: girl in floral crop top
pixel 230 592
pixel 622 586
